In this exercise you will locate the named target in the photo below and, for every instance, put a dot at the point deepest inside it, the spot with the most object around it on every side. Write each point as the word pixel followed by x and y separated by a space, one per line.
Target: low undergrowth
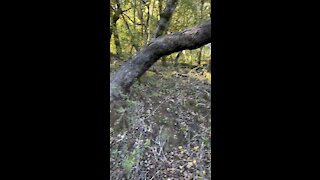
pixel 163 128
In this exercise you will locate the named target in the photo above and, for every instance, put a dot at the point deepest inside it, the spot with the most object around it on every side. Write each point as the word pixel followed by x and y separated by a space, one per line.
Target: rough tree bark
pixel 164 45
pixel 165 17
pixel 164 21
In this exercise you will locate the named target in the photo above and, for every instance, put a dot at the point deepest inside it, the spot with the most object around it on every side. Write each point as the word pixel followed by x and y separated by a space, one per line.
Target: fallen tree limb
pixel 164 45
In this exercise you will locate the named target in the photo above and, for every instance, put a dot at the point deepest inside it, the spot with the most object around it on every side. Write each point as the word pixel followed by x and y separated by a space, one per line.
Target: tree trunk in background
pixel 199 57
pixel 201 15
pixel 134 15
pixel 177 57
pixel 201 9
pixel 164 21
pixel 150 33
pixel 160 8
pixel 115 18
pixel 134 26
pixel 165 18
pixel 140 15
pixel 113 29
pixel 132 41
pixel 188 39
pixel 117 41
pixel 146 23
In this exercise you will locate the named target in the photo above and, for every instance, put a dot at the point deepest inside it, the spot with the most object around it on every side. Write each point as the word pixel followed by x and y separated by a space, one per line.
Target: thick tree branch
pixel 164 45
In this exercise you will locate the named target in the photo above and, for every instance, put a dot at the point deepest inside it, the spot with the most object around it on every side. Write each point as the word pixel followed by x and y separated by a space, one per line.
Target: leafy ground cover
pixel 162 130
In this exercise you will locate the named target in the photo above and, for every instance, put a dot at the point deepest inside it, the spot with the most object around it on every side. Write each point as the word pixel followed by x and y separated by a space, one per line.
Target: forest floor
pixel 163 128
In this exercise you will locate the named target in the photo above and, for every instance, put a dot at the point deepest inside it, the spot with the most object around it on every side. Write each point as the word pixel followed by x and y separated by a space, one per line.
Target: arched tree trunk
pixel 164 45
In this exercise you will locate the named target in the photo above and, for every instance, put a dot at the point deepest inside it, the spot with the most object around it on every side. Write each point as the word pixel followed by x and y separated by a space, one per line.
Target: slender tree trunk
pixel 135 45
pixel 134 24
pixel 199 57
pixel 115 30
pixel 119 12
pixel 189 39
pixel 131 51
pixel 152 12
pixel 117 41
pixel 115 18
pixel 134 15
pixel 160 8
pixel 164 21
pixel 140 15
pixel 147 24
pixel 165 17
pixel 201 16
pixel 177 57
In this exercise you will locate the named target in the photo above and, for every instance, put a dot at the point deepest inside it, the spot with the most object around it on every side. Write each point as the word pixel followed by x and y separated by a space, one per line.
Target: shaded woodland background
pixel 134 23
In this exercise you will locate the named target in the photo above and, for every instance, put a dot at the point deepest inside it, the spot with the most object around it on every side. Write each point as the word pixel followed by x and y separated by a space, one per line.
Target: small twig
pixel 160 104
pixel 165 158
pixel 155 175
pixel 126 10
pixel 135 23
pixel 120 139
pixel 188 145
